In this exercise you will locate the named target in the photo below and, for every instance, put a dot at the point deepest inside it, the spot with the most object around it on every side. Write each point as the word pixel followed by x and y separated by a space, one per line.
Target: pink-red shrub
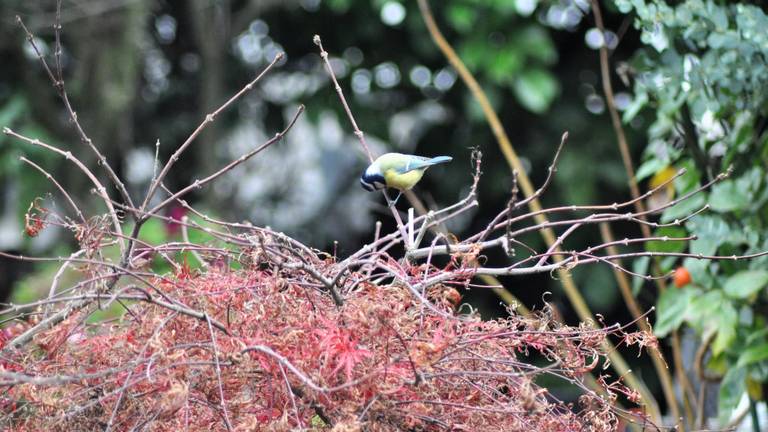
pixel 291 359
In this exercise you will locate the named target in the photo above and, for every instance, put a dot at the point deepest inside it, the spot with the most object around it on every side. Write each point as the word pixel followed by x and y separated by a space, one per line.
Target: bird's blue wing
pixel 418 162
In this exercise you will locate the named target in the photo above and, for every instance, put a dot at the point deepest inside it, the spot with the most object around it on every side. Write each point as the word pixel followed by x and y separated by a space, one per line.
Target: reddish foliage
pixel 292 359
pixel 34 219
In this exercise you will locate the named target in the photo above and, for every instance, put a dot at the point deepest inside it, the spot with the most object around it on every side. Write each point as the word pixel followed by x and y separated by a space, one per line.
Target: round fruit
pixel 682 277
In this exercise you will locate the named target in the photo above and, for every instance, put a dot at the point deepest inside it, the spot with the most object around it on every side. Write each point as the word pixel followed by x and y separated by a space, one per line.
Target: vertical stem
pixel 754 416
pixel 410 227
pixel 359 134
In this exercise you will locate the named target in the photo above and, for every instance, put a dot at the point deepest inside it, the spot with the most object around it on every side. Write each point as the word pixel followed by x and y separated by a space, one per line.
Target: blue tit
pixel 397 171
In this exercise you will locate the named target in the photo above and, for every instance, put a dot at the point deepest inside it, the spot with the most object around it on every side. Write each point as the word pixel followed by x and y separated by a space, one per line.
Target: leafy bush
pixel 703 75
pixel 285 357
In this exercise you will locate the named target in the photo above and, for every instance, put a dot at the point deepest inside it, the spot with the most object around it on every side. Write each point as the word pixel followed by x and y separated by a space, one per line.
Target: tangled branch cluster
pixel 287 357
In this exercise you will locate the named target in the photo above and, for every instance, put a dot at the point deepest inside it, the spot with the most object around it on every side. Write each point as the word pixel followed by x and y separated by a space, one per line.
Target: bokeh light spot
pixel 392 13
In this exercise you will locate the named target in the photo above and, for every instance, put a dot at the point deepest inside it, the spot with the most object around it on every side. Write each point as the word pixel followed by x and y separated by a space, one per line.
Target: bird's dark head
pixel 372 179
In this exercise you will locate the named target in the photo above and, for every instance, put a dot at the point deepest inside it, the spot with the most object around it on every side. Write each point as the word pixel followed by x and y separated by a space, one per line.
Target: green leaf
pixel 745 283
pixel 153 232
pixel 317 422
pixel 474 52
pixel 719 17
pixel 712 231
pixel 115 310
pixel 649 168
pixel 638 103
pixel 339 6
pixel 712 313
pixel 12 109
pixel 684 208
pixel 703 306
pixel 505 66
pixel 639 266
pixel 656 37
pixel 536 89
pixel 671 310
pixel 504 7
pixel 690 180
pixel 728 196
pixel 727 40
pixel 624 6
pixel 536 42
pixel 726 321
pixel 731 390
pixel 757 336
pixel 699 270
pixel 752 355
pixel 462 17
pixel 667 245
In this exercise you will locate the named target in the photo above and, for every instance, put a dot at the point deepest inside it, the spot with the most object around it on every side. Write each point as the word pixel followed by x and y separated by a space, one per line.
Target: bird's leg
pixel 391 202
pixel 399 194
pixel 396 214
pixel 386 197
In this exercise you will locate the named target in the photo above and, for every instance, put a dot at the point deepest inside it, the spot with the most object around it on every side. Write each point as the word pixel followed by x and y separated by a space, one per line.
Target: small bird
pixel 397 171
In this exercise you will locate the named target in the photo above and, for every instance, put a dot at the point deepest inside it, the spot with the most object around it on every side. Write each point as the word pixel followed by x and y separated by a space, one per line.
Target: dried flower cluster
pixel 287 357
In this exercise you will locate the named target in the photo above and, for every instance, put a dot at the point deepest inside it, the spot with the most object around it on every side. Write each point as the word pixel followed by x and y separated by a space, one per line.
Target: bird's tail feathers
pixel 439 160
pixel 416 163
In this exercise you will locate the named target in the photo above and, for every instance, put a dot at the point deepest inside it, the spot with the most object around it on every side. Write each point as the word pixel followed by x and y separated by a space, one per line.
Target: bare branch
pixel 197 184
pixel 58 83
pixel 208 119
pixel 63 191
pixel 100 190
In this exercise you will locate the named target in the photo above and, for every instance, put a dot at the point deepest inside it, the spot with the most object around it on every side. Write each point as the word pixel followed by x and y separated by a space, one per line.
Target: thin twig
pixel 225 415
pixel 197 184
pixel 360 136
pixel 208 119
pixel 63 191
pixel 358 133
pixel 58 84
pixel 100 190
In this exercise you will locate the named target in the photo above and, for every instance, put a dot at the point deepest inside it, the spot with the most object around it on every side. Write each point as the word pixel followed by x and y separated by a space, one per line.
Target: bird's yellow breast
pixel 400 181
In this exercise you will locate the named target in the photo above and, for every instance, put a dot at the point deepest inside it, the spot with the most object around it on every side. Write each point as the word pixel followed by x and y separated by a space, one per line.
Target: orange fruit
pixel 682 277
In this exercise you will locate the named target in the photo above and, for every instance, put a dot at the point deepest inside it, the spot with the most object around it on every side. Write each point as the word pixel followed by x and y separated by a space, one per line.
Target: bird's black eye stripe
pixel 372 182
pixel 367 186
